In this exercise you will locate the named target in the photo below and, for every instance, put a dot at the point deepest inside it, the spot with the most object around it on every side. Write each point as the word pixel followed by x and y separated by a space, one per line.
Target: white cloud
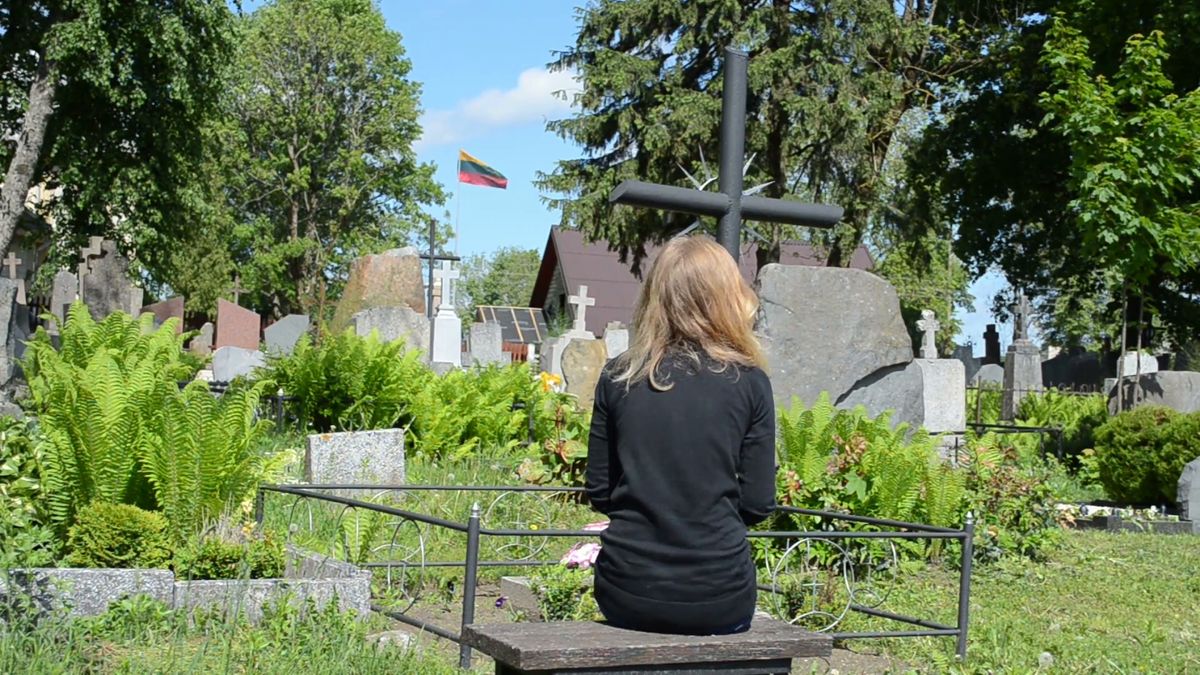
pixel 532 99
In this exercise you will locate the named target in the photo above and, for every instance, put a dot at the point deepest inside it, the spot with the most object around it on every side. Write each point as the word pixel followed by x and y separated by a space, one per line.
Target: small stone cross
pixel 11 263
pixel 93 250
pixel 1021 315
pixel 237 290
pixel 581 302
pixel 929 326
pixel 447 274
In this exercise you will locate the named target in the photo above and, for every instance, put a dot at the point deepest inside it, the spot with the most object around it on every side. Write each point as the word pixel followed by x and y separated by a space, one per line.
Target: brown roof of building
pixel 613 283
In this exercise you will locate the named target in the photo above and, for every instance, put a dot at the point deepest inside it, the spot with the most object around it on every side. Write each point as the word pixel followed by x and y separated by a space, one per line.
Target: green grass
pixel 1104 603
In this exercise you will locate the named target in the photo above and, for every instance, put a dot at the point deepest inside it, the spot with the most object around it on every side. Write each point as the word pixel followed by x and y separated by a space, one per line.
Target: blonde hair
pixel 694 300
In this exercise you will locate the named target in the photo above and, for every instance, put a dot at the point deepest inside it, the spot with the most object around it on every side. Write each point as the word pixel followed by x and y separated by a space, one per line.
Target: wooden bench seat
pixel 587 647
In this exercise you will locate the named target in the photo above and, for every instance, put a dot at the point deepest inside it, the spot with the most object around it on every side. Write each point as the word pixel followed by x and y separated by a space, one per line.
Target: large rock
pixel 1188 493
pixel 826 329
pixel 1174 389
pixel 395 323
pixel 582 361
pixel 390 279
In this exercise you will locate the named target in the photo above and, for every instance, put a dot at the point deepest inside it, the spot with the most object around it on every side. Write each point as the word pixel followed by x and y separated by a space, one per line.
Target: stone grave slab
pixel 395 323
pixel 356 457
pixel 1174 389
pixel 582 362
pixel 166 310
pixel 230 363
pixel 616 339
pixel 944 395
pixel 1022 376
pixel 281 337
pixel 106 287
pixel 237 326
pixel 487 344
pixel 63 293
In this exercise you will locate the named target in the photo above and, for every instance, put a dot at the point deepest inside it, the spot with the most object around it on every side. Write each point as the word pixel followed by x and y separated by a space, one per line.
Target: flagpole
pixel 457 207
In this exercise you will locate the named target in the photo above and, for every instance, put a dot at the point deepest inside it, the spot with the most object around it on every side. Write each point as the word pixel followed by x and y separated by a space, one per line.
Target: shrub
pixel 119 535
pixel 1013 502
pixel 1078 415
pixel 25 538
pixel 1141 453
pixel 565 594
pixel 217 557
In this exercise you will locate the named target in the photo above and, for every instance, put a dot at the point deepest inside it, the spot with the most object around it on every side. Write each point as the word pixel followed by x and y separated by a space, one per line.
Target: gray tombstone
pixel 202 344
pixel 230 363
pixel 1177 390
pixel 1022 376
pixel 8 332
pixel 616 339
pixel 355 458
pixel 106 285
pixel 487 344
pixel 966 354
pixel 281 337
pixel 1188 492
pixel 395 323
pixel 990 373
pixel 64 292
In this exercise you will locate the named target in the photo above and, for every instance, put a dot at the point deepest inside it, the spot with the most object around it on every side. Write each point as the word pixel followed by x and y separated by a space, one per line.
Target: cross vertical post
pixel 581 302
pixel 733 149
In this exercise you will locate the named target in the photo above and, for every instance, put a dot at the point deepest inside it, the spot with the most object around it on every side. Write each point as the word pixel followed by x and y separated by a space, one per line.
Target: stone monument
pixel 281 337
pixel 390 279
pixel 1022 364
pixel 552 349
pixel 237 326
pixel 991 345
pixel 105 284
pixel 395 323
pixel 929 326
pixel 447 327
pixel 487 344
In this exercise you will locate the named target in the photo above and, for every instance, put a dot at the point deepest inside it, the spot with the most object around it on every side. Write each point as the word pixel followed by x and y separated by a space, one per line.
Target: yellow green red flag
pixel 475 172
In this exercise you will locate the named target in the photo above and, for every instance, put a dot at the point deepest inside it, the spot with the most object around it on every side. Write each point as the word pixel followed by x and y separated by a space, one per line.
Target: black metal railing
pixel 474 531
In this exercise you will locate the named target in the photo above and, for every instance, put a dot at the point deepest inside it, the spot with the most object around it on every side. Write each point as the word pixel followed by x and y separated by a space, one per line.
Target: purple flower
pixel 500 602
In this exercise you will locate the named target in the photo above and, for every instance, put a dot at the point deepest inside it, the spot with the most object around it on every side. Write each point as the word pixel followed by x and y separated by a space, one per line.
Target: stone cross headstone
pixel 11 262
pixel 1022 312
pixel 237 290
pixel 929 327
pixel 202 344
pixel 447 327
pixel 1022 364
pixel 237 326
pixel 991 345
pixel 581 302
pixel 85 258
pixel 487 344
pixel 106 284
pixel 62 295
pixel 729 205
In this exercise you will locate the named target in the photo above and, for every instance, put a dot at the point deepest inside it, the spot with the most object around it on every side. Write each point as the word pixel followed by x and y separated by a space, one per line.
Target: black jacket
pixel 681 474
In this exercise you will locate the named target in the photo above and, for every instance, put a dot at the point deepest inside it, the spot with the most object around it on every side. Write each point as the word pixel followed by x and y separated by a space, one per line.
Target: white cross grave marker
pixel 581 302
pixel 11 262
pixel 446 274
pixel 929 326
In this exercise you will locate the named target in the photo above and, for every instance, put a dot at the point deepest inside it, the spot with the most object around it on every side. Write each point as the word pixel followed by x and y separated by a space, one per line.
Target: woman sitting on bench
pixel 681 456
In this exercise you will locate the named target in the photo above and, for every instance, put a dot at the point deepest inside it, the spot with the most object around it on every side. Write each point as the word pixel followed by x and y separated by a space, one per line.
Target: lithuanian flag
pixel 475 172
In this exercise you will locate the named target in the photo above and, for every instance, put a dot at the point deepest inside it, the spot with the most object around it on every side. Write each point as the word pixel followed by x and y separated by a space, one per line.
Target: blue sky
pixel 486 91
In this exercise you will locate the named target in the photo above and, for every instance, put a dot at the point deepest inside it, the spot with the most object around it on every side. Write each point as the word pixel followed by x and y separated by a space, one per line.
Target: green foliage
pixel 925 278
pixel 504 278
pixel 316 154
pixel 119 430
pixel 563 457
pixel 119 535
pixel 1078 415
pixel 25 538
pixel 244 557
pixel 565 594
pixel 1141 453
pixel 845 461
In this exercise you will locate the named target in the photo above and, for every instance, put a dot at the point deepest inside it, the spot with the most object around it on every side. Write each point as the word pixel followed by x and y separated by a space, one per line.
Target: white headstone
pixel 616 339
pixel 579 329
pixel 928 325
pixel 230 363
pixel 945 396
pixel 1129 364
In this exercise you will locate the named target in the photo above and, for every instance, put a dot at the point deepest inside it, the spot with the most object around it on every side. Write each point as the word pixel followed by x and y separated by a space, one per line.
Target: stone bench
pixel 597 648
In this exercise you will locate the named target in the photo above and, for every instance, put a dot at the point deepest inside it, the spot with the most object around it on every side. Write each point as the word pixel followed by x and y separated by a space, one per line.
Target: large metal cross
pixel 728 204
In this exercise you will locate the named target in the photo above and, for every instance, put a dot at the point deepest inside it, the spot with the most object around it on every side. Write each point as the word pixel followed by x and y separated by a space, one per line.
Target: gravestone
pixel 230 363
pixel 237 326
pixel 106 285
pixel 62 296
pixel 487 344
pixel 281 337
pixel 582 361
pixel 579 327
pixel 550 360
pixel 966 354
pixel 1177 390
pixel 1187 494
pixel 355 458
pixel 990 374
pixel 389 279
pixel 447 327
pixel 616 339
pixel 991 345
pixel 1129 364
pixel 202 343
pixel 929 326
pixel 165 310
pixel 8 333
pixel 395 323
pixel 944 400
pixel 12 262
pixel 1022 364
pixel 828 329
pixel 1076 369
pixel 899 388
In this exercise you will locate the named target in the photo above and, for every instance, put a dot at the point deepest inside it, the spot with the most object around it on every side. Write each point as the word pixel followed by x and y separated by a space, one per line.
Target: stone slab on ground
pixel 1188 492
pixel 827 329
pixel 230 363
pixel 395 323
pixel 389 279
pixel 356 457
pixel 249 597
pixel 88 592
pixel 1175 389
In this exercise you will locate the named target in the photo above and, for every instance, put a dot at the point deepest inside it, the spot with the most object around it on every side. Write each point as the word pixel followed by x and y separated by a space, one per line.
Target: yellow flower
pixel 550 380
pixel 533 527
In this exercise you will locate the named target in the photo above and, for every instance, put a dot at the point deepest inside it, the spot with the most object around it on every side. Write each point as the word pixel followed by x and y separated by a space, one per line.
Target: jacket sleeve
pixel 599 479
pixel 756 466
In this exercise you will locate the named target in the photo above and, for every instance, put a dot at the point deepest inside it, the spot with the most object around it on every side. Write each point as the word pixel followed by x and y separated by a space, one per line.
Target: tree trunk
pixel 24 162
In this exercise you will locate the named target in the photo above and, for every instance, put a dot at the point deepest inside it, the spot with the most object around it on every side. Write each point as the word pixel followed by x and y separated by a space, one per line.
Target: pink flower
pixel 596 527
pixel 582 555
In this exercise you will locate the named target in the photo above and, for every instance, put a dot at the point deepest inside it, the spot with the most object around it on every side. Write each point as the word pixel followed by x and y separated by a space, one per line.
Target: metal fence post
pixel 260 498
pixel 472 571
pixel 964 585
